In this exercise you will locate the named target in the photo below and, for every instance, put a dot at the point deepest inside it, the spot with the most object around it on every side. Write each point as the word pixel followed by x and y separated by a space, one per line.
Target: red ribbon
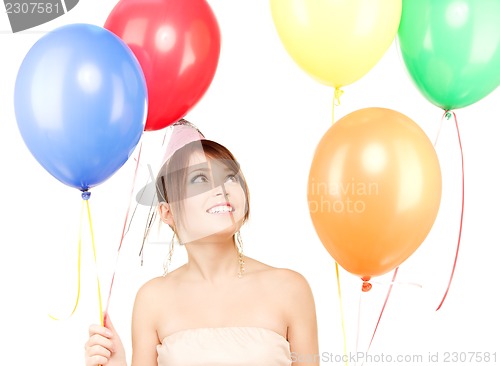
pixel 447 114
pixel 383 307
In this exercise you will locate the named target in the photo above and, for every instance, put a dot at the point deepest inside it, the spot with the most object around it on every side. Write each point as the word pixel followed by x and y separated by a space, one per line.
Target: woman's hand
pixel 104 346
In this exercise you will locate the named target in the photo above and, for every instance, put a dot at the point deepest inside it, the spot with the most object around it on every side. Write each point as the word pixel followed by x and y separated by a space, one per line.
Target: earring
pixel 239 247
pixel 168 259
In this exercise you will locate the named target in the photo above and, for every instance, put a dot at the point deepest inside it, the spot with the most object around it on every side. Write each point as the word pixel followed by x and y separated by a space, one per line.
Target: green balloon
pixel 451 49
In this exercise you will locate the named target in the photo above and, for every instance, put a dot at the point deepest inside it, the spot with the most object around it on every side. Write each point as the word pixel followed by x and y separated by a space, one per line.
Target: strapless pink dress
pixel 224 346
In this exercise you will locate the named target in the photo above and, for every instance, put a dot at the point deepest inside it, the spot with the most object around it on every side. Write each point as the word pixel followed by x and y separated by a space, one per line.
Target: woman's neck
pixel 212 260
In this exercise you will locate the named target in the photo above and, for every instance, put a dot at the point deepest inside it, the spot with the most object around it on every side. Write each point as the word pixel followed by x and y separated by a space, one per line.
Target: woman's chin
pixel 223 235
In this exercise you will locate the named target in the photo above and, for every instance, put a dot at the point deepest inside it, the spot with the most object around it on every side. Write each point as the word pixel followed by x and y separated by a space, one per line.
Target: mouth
pixel 221 209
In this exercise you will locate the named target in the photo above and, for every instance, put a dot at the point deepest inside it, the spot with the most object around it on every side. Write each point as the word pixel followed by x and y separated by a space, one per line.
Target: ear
pixel 166 214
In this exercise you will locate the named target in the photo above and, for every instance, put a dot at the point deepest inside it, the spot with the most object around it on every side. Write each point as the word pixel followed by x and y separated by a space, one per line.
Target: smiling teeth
pixel 220 209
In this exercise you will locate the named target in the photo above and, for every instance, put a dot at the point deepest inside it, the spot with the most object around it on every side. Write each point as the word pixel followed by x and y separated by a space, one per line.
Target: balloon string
pixel 358 331
pixel 139 198
pixel 383 308
pixel 398 283
pixel 79 265
pixel 448 114
pixel 85 202
pixel 150 217
pixel 341 311
pixel 124 228
pixel 440 127
pixel 101 317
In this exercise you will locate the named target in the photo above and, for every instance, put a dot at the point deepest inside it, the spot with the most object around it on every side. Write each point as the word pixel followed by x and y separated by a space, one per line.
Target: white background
pixel 271 115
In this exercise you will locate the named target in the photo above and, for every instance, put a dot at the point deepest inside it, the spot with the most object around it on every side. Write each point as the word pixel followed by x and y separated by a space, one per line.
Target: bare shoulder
pixel 149 305
pixel 151 300
pixel 146 295
pixel 284 287
pixel 154 293
pixel 286 281
pixel 293 283
pixel 150 288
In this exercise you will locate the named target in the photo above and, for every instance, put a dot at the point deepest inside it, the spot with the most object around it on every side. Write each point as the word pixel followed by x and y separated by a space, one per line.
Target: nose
pixel 221 191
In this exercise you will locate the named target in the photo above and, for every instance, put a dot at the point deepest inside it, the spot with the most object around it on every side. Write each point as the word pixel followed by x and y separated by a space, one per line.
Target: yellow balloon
pixel 336 41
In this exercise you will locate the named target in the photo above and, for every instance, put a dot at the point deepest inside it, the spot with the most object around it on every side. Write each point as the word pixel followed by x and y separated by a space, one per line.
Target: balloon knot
pixel 367 286
pixel 336 96
pixel 85 195
pixel 447 115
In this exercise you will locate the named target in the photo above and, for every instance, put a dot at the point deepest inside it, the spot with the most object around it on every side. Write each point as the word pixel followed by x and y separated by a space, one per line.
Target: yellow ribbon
pixel 85 202
pixel 336 101
pixel 101 315
pixel 341 312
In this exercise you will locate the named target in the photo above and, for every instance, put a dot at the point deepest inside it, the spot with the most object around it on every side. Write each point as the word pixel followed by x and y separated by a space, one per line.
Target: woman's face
pixel 214 205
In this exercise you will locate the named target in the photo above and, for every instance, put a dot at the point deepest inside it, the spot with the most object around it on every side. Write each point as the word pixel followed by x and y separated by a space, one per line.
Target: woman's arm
pixel 302 325
pixel 144 321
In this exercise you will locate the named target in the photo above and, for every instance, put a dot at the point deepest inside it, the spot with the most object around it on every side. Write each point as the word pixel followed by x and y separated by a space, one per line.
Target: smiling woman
pixel 220 308
pixel 202 187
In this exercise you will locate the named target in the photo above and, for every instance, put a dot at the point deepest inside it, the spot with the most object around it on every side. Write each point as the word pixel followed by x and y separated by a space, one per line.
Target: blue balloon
pixel 81 103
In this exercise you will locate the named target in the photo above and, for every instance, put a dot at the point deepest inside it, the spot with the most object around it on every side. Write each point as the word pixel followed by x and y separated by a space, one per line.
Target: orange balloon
pixel 374 190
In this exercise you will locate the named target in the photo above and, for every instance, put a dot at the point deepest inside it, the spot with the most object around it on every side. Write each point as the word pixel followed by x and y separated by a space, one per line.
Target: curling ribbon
pixel 445 115
pixel 341 312
pixel 85 202
pixel 79 264
pixel 152 213
pixel 150 217
pixel 448 114
pixel 336 99
pixel 383 306
pixel 124 227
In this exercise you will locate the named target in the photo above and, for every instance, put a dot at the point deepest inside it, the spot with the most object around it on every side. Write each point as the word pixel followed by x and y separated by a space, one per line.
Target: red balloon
pixel 177 44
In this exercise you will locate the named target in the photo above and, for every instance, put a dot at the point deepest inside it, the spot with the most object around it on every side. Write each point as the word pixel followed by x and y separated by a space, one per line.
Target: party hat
pixel 183 133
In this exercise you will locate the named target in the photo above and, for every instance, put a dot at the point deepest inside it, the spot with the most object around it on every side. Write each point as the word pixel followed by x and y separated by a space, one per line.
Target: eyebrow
pixel 190 171
pixel 226 169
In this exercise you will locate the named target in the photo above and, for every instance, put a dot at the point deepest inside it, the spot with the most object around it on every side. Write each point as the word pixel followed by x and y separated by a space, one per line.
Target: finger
pixel 99 340
pixel 98 350
pixel 96 360
pixel 108 323
pixel 99 329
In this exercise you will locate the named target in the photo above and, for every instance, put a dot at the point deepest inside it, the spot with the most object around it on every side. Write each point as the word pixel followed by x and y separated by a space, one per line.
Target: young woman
pixel 220 308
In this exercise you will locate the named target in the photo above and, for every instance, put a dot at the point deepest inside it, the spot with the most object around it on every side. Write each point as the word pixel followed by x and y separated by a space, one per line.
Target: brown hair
pixel 170 181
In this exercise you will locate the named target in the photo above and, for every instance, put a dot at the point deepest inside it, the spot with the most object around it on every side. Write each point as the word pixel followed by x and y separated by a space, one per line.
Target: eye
pixel 232 178
pixel 200 178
